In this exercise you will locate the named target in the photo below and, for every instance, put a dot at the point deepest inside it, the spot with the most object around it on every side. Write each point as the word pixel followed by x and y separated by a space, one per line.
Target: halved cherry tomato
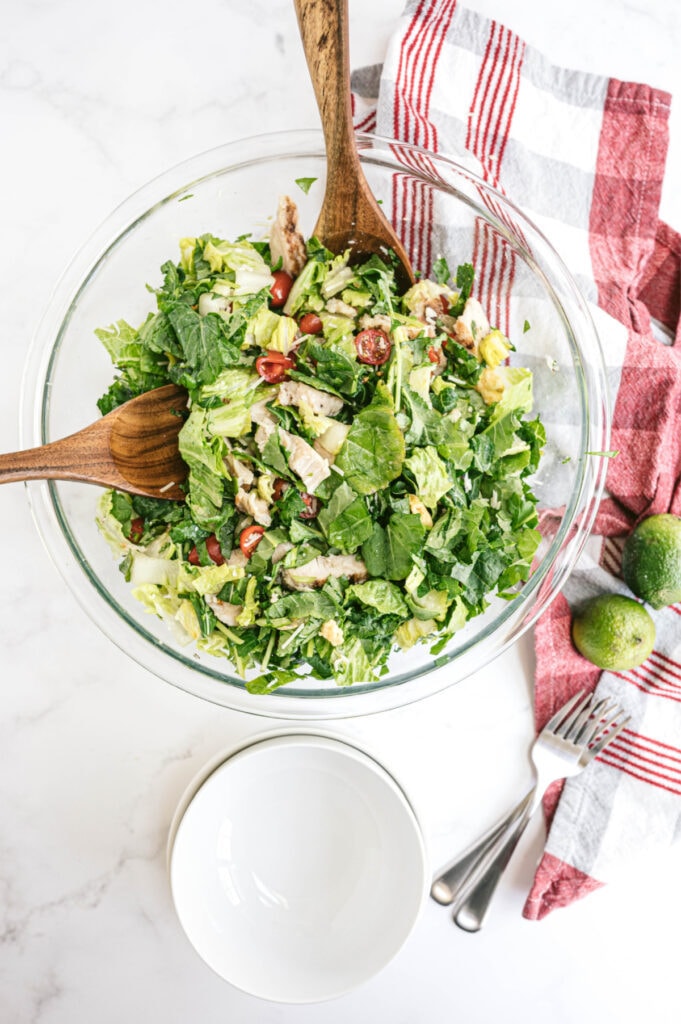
pixel 136 529
pixel 280 288
pixel 250 538
pixel 444 304
pixel 311 324
pixel 278 488
pixel 313 505
pixel 432 355
pixel 373 346
pixel 274 366
pixel 214 551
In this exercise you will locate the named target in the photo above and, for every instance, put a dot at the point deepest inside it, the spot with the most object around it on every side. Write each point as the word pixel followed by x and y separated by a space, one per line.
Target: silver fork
pixel 564 747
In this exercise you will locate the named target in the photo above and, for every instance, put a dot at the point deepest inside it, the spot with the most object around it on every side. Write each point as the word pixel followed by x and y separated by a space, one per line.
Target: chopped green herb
pixel 305 184
pixel 441 271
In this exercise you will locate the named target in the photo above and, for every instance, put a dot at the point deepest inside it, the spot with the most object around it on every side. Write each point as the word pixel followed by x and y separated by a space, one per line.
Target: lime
pixel 651 560
pixel 613 631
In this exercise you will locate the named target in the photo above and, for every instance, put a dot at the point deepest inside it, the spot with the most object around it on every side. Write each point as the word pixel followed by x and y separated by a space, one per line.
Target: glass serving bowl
pixel 437 207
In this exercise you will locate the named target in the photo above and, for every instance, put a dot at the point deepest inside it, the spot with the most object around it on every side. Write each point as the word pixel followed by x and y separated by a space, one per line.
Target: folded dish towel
pixel 584 156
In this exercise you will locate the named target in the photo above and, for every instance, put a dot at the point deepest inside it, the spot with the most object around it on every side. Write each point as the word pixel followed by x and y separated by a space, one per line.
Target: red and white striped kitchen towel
pixel 584 156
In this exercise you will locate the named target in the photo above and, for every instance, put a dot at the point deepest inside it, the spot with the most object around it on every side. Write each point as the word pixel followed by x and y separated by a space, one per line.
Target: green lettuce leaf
pixel 432 605
pixel 336 367
pixel 428 428
pixel 142 369
pixel 430 474
pixel 204 342
pixel 304 605
pixel 207 579
pixel 373 453
pixel 345 520
pixel 382 595
pixel 410 632
pixel 204 455
pixel 351 664
pixel 250 272
pixel 517 396
pixel 390 550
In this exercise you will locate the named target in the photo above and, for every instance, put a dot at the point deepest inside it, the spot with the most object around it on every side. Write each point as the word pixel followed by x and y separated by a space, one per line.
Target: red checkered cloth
pixel 584 155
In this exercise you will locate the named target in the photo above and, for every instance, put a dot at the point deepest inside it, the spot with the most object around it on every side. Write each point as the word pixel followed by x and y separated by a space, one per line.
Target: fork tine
pixel 562 712
pixel 593 723
pixel 612 732
pixel 573 729
pixel 565 727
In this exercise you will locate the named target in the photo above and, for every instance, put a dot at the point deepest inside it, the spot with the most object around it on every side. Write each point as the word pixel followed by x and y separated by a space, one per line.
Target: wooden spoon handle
pixel 134 448
pixel 324 33
pixel 77 457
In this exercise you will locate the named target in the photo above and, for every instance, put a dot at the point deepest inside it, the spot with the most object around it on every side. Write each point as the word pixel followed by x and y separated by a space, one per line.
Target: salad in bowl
pixel 359 459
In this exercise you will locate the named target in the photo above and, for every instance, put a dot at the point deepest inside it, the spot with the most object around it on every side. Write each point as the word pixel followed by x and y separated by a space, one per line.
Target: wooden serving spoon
pixel 350 217
pixel 133 448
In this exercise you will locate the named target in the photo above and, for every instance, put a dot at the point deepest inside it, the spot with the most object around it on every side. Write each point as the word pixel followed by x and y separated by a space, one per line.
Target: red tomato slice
pixel 250 538
pixel 214 550
pixel 280 288
pixel 311 324
pixel 373 346
pixel 136 529
pixel 432 355
pixel 274 366
pixel 278 488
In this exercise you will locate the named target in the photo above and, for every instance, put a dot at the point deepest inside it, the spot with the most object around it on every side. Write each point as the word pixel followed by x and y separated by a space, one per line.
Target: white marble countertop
pixel 94 751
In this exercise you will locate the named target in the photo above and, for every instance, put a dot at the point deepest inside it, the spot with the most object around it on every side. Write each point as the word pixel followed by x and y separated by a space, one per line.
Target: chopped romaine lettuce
pixel 377 506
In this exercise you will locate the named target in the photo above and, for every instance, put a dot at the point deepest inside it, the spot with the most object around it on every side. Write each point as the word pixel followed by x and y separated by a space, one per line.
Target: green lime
pixel 651 560
pixel 613 631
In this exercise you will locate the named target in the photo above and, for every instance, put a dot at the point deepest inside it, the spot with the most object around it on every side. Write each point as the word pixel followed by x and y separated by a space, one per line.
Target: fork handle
pixel 474 897
pixel 458 880
pixel 452 880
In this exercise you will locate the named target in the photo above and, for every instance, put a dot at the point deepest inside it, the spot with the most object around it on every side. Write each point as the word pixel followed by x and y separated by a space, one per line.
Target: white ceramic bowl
pixel 297 867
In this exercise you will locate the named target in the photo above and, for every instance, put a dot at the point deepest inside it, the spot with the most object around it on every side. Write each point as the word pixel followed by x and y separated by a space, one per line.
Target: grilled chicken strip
pixel 251 504
pixel 223 610
pixel 315 573
pixel 291 392
pixel 286 241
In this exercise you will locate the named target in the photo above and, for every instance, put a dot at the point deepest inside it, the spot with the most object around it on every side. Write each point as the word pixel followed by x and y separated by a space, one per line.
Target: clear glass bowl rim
pixel 217 686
